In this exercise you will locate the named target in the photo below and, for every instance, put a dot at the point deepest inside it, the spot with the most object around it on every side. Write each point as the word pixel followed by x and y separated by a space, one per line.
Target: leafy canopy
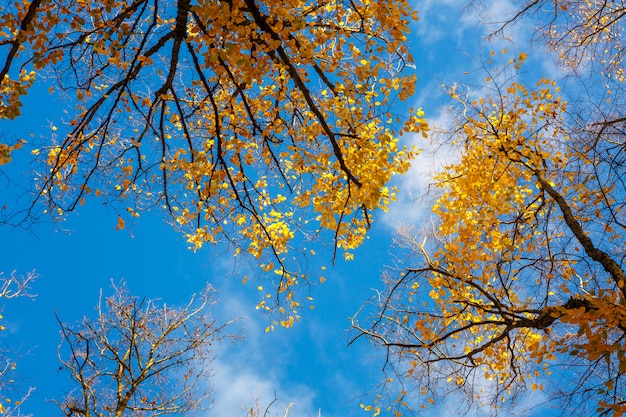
pixel 260 123
pixel 523 277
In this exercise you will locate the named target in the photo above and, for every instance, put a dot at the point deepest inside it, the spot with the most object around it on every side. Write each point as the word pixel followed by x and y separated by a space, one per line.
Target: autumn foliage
pixel 267 124
pixel 259 123
pixel 520 284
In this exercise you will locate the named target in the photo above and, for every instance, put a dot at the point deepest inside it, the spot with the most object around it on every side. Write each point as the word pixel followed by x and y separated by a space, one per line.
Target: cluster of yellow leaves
pixel 374 409
pixel 5 151
pixel 10 93
pixel 503 295
pixel 257 122
pixel 488 215
pixel 19 30
pixel 506 295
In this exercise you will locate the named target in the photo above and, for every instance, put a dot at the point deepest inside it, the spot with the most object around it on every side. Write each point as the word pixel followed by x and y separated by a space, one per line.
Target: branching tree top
pixel 140 358
pixel 13 396
pixel 586 35
pixel 521 284
pixel 255 122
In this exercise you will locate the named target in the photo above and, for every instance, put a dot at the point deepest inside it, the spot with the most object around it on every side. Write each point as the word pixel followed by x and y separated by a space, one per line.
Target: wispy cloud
pixel 253 371
pixel 240 386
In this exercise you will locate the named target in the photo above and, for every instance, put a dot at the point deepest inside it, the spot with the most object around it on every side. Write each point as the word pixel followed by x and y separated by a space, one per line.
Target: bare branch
pixel 140 357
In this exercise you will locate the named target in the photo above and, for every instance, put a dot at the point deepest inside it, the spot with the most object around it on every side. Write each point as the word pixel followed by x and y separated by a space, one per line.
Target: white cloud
pixel 436 17
pixel 417 191
pixel 239 386
pixel 252 372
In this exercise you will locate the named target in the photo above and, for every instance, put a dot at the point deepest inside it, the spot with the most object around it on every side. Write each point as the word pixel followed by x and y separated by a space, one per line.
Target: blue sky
pixel 310 365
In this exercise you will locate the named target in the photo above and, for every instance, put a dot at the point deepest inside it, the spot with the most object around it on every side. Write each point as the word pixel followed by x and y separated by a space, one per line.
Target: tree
pixel 585 35
pixel 13 396
pixel 139 358
pixel 254 122
pixel 520 285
